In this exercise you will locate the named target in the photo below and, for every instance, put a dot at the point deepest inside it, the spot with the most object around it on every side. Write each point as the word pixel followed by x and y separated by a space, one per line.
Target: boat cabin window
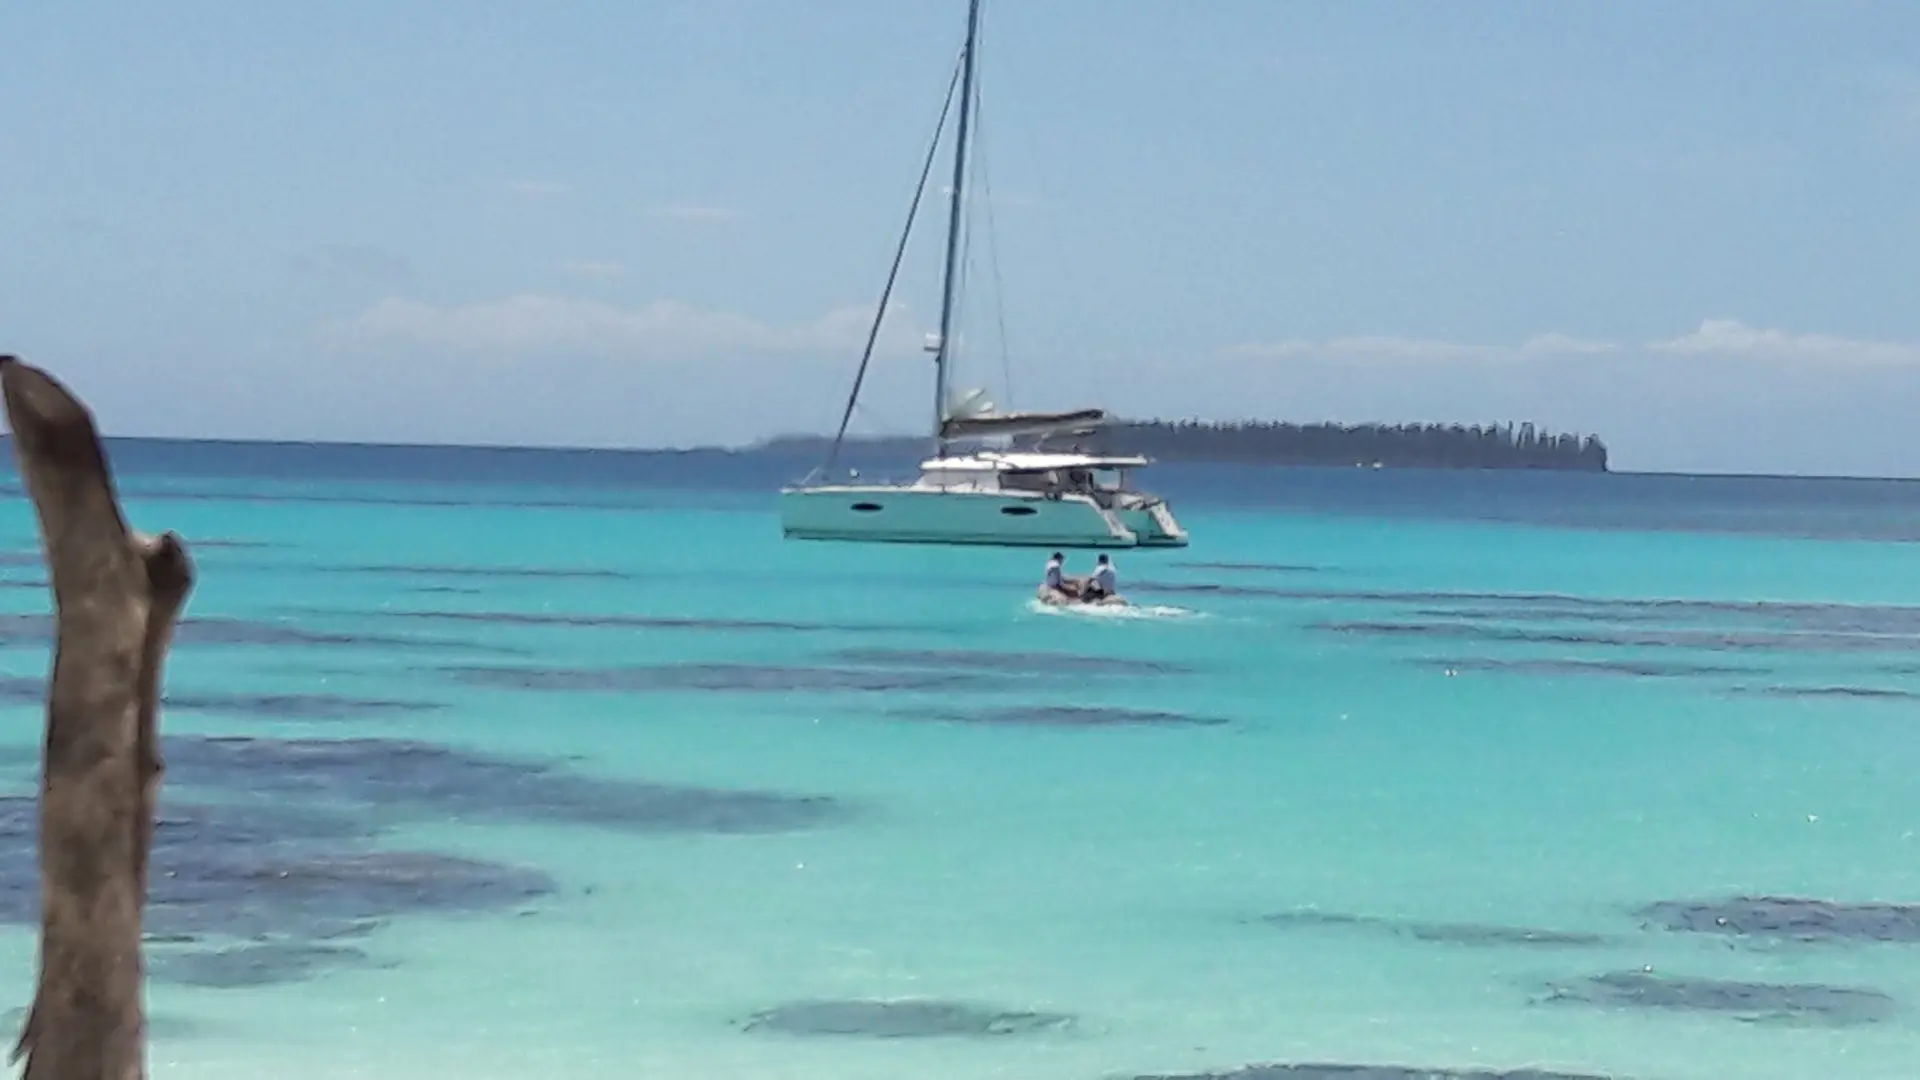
pixel 1097 480
pixel 1030 480
pixel 1089 481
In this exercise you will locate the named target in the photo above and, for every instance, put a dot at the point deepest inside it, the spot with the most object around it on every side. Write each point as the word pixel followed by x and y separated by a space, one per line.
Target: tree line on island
pixel 1436 446
pixel 1273 442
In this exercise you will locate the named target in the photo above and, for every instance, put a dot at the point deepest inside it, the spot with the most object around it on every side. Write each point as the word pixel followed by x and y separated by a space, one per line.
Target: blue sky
pixel 1691 227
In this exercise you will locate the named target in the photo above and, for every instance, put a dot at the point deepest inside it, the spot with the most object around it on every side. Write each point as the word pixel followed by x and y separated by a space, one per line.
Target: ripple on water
pixel 1331 1071
pixel 597 620
pixel 1341 1071
pixel 1618 668
pixel 1063 716
pixel 1039 662
pixel 19 690
pixel 19 629
pixel 745 678
pixel 526 573
pixel 908 1019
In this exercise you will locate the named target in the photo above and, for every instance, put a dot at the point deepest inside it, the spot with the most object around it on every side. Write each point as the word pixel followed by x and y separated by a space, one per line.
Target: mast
pixel 943 356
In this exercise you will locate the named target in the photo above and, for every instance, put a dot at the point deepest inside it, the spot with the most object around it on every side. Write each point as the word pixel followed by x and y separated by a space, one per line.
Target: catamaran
pixel 996 496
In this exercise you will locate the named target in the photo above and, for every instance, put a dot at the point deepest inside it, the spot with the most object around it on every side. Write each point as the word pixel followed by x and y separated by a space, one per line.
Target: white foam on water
pixel 1115 611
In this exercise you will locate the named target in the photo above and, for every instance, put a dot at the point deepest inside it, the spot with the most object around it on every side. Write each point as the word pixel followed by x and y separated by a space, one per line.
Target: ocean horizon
pixel 227 453
pixel 496 762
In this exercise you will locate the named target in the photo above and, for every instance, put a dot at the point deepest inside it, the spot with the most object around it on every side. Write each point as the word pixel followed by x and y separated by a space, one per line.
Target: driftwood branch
pixel 116 597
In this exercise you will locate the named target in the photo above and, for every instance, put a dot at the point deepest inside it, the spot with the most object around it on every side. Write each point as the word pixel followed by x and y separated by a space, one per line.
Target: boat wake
pixel 1114 611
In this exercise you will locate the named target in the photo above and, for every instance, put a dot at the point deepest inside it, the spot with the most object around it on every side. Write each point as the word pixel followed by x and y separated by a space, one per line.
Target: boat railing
pixel 818 477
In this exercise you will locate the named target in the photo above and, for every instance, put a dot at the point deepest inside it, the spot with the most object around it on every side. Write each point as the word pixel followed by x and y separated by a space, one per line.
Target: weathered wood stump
pixel 116 597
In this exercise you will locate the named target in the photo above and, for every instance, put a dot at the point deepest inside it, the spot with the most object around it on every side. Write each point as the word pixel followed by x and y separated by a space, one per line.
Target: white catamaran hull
pixel 933 516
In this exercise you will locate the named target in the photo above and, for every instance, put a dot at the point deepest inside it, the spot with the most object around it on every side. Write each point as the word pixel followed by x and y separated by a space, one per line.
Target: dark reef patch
pixel 1753 1002
pixel 1065 716
pixel 252 965
pixel 917 1019
pixel 352 888
pixel 1020 663
pixel 266 869
pixel 440 782
pixel 1787 918
pixel 1331 1071
pixel 21 690
pixel 1473 934
pixel 748 678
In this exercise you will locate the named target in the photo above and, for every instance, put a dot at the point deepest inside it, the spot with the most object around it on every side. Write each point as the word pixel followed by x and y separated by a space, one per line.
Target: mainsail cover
pixel 990 423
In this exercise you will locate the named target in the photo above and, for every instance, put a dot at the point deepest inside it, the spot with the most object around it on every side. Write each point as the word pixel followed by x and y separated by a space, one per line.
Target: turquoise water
pixel 1305 811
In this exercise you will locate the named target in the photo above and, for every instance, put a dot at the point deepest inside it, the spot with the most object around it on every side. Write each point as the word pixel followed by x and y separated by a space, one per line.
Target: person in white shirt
pixel 1101 584
pixel 1056 573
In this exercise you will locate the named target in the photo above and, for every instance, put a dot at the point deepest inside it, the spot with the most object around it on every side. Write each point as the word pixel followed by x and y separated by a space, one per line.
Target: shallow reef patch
pixel 1471 934
pixel 256 964
pixel 1787 918
pixel 1752 1002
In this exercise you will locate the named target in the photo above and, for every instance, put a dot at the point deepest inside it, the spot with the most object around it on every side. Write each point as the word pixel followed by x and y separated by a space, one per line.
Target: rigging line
pixel 964 281
pixel 889 425
pixel 962 285
pixel 893 274
pixel 993 261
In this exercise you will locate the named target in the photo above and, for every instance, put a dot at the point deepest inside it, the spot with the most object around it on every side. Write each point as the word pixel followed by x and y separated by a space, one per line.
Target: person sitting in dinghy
pixel 1056 576
pixel 1102 584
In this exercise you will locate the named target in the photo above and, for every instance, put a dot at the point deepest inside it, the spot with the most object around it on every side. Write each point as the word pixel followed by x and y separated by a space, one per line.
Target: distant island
pixel 1265 442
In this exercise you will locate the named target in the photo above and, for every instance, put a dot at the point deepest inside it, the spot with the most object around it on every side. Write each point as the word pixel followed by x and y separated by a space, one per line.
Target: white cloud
pixel 696 213
pixel 1555 343
pixel 596 269
pixel 1367 347
pixel 535 325
pixel 1713 337
pixel 538 189
pixel 362 261
pixel 1898 106
pixel 1730 337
